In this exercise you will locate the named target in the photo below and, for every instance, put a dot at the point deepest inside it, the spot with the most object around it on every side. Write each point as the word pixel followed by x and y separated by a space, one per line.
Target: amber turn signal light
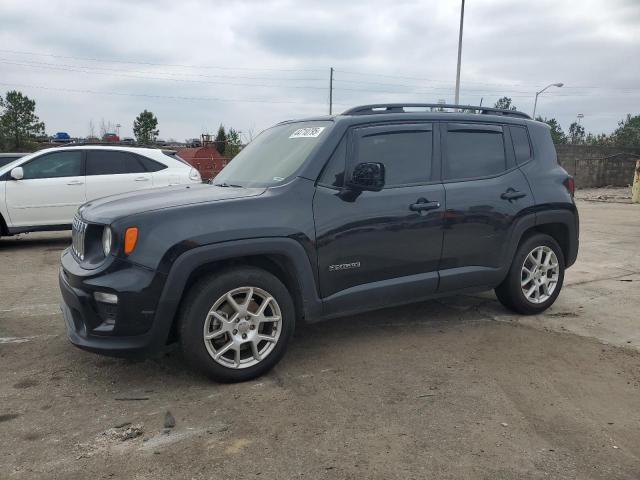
pixel 130 240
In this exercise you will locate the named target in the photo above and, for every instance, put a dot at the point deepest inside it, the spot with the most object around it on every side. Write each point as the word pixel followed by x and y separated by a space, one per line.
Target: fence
pixel 594 166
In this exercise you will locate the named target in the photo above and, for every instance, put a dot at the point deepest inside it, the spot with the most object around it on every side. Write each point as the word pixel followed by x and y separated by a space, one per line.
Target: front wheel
pixel 236 324
pixel 535 277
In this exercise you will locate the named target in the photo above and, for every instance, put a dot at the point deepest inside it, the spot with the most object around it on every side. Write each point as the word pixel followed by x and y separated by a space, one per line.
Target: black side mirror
pixel 367 176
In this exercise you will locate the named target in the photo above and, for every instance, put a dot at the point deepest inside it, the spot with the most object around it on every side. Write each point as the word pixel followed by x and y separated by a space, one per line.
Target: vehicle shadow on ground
pixel 310 341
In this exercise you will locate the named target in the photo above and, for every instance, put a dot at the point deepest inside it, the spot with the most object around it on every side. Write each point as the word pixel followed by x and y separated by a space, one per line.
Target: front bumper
pixel 125 329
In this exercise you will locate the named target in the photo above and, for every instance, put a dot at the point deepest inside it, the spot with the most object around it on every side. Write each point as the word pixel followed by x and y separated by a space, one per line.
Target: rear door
pixel 51 191
pixel 385 238
pixel 110 172
pixel 486 192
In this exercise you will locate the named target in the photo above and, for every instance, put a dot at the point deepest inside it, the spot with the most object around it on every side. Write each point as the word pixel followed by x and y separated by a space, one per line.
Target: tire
pixel 246 342
pixel 510 292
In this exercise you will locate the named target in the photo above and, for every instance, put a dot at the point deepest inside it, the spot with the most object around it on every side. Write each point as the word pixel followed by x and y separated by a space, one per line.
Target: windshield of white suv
pixel 274 156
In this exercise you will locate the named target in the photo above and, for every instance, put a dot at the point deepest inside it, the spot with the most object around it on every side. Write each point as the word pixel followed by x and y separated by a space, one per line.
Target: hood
pixel 108 209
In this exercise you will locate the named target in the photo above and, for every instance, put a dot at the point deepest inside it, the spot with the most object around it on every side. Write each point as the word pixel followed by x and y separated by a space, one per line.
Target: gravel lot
pixel 456 388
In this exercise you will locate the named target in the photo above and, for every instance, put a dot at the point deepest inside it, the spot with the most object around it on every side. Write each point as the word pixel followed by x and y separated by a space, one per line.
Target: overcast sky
pixel 249 64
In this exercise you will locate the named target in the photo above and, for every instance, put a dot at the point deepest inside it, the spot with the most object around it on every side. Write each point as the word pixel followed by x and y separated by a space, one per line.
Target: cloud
pixel 280 51
pixel 304 41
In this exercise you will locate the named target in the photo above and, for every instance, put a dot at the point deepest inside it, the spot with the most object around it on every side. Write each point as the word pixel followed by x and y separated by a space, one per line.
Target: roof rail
pixel 400 108
pixel 101 144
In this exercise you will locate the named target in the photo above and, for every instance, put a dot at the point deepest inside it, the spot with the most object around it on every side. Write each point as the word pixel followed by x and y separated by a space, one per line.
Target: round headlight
pixel 106 241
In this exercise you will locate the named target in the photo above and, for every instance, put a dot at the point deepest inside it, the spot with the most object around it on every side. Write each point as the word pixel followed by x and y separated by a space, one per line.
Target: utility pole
pixel 331 91
pixel 457 102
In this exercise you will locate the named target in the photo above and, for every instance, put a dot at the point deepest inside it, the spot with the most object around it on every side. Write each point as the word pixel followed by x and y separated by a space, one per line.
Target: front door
pixel 486 192
pixel 51 191
pixel 370 240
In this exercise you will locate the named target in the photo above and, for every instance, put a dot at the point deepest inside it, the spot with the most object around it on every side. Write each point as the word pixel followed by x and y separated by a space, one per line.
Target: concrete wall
pixel 594 166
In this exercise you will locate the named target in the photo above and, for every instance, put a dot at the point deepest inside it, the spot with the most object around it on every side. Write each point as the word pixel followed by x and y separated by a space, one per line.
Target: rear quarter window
pixel 175 156
pixel 152 165
pixel 521 144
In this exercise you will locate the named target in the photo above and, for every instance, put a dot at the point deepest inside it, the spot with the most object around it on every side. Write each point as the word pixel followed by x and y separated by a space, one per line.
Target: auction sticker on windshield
pixel 309 132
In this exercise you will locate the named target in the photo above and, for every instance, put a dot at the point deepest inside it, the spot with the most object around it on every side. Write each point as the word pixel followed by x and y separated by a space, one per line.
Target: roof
pixel 381 108
pixel 119 147
pixel 367 114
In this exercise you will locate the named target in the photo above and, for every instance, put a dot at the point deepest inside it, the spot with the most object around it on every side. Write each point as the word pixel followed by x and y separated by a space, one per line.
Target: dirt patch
pixel 605 194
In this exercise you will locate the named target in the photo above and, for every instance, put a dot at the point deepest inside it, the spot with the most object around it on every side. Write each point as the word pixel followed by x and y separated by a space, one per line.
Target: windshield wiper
pixel 225 184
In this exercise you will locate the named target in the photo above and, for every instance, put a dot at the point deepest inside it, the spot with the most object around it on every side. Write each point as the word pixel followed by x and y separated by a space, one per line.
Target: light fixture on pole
pixel 459 54
pixel 580 116
pixel 535 104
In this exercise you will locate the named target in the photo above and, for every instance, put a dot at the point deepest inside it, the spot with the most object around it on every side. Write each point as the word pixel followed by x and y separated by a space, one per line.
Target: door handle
pixel 423 204
pixel 76 182
pixel 142 179
pixel 512 194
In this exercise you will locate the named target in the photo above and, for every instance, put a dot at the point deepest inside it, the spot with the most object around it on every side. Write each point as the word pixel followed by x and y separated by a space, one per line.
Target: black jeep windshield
pixel 274 156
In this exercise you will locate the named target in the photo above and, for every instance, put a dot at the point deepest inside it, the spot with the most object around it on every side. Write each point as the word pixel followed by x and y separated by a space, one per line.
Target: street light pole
pixel 535 103
pixel 459 54
pixel 331 91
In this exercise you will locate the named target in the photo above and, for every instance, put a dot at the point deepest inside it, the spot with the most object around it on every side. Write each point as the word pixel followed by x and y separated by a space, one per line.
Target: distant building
pixel 207 160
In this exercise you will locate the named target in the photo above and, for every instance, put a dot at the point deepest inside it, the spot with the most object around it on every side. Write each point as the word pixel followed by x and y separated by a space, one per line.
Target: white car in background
pixel 43 190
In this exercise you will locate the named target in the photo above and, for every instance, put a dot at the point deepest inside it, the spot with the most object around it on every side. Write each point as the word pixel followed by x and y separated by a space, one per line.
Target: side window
pixel 111 162
pixel 151 165
pixel 406 155
pixel 54 165
pixel 333 173
pixel 474 151
pixel 521 145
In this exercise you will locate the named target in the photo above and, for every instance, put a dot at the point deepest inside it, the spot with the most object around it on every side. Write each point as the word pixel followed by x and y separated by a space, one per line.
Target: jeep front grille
pixel 78 231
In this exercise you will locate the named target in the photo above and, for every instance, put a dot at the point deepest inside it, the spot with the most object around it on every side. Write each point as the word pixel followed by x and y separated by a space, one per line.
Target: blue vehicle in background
pixel 61 137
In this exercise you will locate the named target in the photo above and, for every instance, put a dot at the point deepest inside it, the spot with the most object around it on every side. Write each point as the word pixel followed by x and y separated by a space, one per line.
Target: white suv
pixel 43 190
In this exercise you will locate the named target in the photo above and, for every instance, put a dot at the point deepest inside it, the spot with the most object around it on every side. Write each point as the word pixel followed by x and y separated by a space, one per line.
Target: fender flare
pixel 570 219
pixel 530 220
pixel 188 262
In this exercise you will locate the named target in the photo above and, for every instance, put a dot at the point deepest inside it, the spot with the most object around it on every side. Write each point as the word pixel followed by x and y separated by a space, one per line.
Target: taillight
pixel 194 176
pixel 570 185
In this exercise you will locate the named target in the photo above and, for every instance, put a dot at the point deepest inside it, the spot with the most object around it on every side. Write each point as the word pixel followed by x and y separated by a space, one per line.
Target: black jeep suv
pixel 379 206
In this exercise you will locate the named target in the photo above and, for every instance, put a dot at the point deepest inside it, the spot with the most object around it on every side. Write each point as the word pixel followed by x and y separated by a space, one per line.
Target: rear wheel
pixel 236 324
pixel 535 277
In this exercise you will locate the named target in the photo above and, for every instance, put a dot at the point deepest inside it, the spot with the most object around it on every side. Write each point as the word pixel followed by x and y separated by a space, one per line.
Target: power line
pixel 32 62
pixel 132 62
pixel 147 77
pixel 425 79
pixel 467 91
pixel 497 86
pixel 277 69
pixel 424 90
pixel 144 95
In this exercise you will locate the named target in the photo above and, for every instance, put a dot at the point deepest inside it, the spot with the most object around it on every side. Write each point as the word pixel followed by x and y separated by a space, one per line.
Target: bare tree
pixel 92 129
pixel 248 135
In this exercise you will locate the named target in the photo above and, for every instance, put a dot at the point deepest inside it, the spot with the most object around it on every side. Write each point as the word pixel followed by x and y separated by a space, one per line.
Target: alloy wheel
pixel 242 327
pixel 539 275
